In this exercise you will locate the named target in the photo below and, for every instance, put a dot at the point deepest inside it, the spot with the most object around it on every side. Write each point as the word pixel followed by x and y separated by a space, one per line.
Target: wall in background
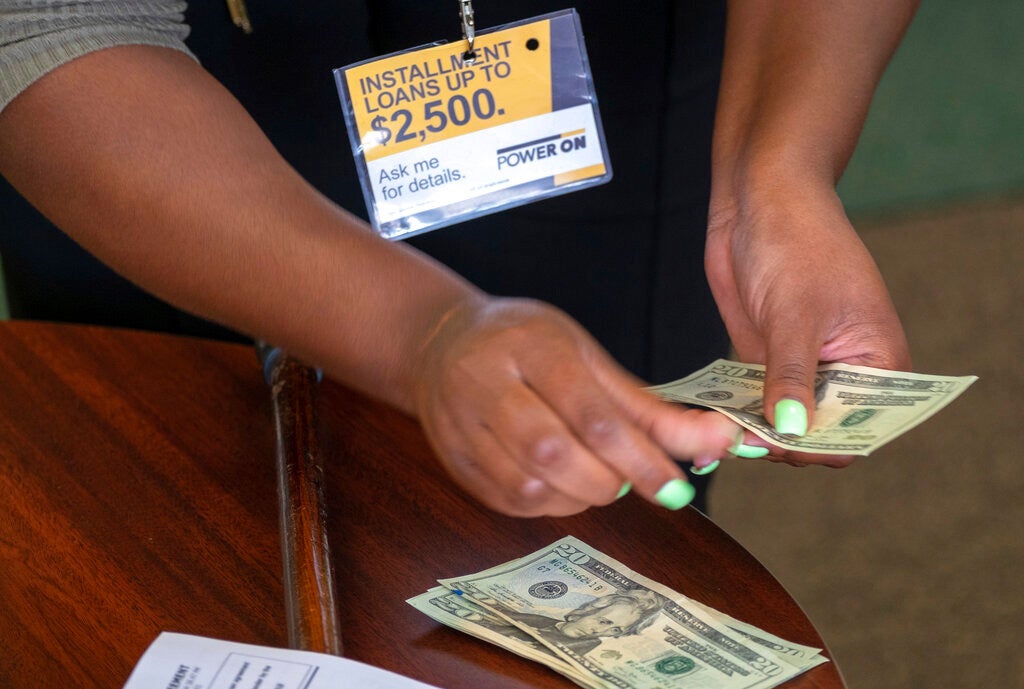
pixel 947 122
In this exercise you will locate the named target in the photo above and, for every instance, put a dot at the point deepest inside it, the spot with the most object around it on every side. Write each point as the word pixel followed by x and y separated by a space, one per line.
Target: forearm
pixel 146 161
pixel 797 80
pixel 792 280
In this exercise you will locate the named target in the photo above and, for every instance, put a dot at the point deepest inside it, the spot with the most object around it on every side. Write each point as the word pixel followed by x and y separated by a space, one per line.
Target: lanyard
pixel 468 30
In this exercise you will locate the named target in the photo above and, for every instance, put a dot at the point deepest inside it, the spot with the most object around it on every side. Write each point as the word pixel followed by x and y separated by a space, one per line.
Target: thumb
pixel 791 364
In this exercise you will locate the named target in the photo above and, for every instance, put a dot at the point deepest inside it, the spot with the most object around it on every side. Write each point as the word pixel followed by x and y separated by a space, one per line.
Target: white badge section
pixel 484 162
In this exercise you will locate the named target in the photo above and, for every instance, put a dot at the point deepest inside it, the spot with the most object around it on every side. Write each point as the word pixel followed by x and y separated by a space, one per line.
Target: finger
pixel 754 447
pixel 751 446
pixel 683 432
pixel 791 365
pixel 609 431
pixel 770 453
pixel 690 433
pixel 477 462
pixel 543 446
pixel 532 433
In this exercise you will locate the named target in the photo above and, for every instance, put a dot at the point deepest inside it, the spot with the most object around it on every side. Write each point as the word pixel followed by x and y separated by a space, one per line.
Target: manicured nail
pixel 750 451
pixel 740 449
pixel 625 489
pixel 676 494
pixel 704 470
pixel 790 418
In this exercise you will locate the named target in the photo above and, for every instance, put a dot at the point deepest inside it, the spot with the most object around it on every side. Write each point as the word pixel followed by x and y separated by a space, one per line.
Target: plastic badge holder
pixel 441 135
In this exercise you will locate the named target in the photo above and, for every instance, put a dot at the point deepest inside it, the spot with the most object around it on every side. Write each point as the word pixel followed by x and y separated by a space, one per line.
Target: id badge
pixel 441 135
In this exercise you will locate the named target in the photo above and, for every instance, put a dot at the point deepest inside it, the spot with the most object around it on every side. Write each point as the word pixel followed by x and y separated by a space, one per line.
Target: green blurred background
pixel 947 123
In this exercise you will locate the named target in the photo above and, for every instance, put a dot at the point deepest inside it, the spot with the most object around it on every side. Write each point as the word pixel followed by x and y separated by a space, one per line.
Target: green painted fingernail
pixel 625 489
pixel 705 469
pixel 790 418
pixel 750 451
pixel 676 494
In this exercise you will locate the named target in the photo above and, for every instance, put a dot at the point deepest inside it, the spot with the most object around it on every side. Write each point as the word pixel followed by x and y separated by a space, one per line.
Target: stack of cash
pixel 599 623
pixel 857 409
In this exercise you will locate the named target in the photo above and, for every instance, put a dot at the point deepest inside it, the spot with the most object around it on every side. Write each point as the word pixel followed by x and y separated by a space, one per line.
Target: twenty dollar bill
pixel 603 625
pixel 857 409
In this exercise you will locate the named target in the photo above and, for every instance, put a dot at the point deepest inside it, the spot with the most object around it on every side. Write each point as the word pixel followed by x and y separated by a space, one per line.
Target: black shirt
pixel 625 259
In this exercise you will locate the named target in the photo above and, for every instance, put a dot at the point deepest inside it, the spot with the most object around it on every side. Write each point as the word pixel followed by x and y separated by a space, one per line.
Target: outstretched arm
pixel 143 158
pixel 794 283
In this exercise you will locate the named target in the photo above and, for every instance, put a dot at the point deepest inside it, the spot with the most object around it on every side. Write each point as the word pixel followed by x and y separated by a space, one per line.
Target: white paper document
pixel 183 661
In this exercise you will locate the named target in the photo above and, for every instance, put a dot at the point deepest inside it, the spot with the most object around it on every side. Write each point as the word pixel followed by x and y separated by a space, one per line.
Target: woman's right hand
pixel 529 414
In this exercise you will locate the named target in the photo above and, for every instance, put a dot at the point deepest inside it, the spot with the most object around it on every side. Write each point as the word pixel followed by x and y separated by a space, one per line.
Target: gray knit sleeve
pixel 36 36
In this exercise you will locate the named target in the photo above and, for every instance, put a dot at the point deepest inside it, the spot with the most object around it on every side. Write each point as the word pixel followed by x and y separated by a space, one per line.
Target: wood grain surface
pixel 137 478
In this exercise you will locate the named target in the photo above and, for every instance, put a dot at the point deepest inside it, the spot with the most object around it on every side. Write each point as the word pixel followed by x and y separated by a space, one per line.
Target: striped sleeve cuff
pixel 37 36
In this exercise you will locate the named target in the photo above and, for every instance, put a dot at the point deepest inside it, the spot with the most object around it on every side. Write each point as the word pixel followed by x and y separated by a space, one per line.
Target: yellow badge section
pixel 429 95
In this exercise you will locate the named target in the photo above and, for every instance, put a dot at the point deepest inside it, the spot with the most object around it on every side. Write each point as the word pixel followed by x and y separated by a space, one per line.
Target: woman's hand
pixel 793 282
pixel 529 414
pixel 796 286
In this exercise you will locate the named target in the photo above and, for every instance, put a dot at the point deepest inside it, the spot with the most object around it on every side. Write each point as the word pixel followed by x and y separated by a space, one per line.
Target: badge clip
pixel 468 30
